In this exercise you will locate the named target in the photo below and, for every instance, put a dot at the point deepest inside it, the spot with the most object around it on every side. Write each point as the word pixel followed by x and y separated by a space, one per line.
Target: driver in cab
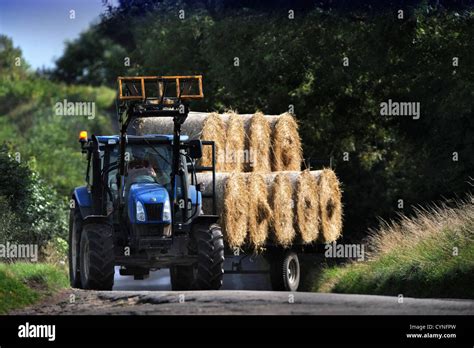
pixel 140 171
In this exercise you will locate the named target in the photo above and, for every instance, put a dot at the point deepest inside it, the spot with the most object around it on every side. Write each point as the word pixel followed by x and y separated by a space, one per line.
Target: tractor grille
pixel 154 211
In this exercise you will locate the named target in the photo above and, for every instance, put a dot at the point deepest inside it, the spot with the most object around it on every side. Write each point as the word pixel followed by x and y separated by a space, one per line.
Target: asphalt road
pixel 153 296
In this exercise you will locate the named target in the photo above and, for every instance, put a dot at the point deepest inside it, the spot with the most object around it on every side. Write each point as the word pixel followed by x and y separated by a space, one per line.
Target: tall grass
pixel 428 255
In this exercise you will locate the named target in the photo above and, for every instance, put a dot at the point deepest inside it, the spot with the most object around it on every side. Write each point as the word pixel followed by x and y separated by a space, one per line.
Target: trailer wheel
pixel 285 272
pixel 209 270
pixel 182 277
pixel 75 227
pixel 97 257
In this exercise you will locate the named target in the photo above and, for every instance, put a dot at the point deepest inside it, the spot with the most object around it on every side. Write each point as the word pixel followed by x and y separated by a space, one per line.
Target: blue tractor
pixel 141 208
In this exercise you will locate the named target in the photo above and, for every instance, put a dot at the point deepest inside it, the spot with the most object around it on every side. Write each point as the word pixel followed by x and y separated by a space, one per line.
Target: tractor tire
pixel 182 277
pixel 75 228
pixel 97 257
pixel 285 272
pixel 209 269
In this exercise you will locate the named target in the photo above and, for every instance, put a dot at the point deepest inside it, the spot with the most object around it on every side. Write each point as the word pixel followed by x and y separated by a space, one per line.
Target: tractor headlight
pixel 140 211
pixel 167 210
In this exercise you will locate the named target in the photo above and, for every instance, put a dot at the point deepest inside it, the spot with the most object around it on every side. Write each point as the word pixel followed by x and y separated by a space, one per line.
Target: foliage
pixel 30 126
pixel 11 226
pixel 40 160
pixel 31 210
pixel 55 251
pixel 299 63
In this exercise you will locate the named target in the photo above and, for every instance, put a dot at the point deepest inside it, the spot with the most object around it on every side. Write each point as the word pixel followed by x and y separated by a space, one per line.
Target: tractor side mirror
pixel 195 149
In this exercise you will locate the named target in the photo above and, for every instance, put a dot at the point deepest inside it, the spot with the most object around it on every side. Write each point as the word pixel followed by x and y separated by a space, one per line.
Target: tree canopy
pixel 333 63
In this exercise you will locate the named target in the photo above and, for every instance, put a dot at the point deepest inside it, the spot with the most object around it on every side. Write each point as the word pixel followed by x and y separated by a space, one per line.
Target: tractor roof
pixel 110 139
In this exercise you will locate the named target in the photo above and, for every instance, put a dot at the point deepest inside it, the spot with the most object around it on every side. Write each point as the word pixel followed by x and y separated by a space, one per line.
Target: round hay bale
pixel 330 206
pixel 257 151
pixel 203 126
pixel 281 198
pixel 306 202
pixel 286 144
pixel 232 204
pixel 259 212
pixel 236 209
pixel 234 143
pixel 258 145
pixel 213 128
pixel 307 206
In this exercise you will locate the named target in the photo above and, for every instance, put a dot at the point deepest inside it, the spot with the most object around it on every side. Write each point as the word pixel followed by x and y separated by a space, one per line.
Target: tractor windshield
pixel 149 163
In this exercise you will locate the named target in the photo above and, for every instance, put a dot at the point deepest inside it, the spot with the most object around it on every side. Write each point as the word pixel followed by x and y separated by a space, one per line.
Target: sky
pixel 40 27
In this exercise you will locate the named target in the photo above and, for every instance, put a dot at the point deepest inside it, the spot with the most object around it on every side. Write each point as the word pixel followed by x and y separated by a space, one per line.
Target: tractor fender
pixel 98 219
pixel 82 198
pixel 205 219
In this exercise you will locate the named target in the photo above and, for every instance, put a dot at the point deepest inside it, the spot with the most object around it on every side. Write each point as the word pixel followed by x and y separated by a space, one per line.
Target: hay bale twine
pixel 203 126
pixel 259 212
pixel 286 143
pixel 330 206
pixel 307 206
pixel 281 201
pixel 234 143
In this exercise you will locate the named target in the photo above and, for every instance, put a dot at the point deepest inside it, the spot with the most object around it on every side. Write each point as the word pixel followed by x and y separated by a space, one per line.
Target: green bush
pixel 12 229
pixel 31 209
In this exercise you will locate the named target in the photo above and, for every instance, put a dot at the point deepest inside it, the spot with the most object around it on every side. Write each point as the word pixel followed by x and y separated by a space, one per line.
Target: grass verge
pixel 429 255
pixel 22 284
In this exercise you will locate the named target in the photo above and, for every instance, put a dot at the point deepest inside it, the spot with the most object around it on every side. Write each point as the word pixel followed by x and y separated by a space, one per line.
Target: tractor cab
pixel 142 202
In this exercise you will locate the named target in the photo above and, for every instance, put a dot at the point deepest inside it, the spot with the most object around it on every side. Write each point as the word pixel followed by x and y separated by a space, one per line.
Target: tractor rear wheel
pixel 75 228
pixel 285 272
pixel 97 257
pixel 209 269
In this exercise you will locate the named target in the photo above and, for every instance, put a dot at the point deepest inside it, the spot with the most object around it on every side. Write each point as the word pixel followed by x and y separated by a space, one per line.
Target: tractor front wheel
pixel 209 270
pixel 97 257
pixel 75 228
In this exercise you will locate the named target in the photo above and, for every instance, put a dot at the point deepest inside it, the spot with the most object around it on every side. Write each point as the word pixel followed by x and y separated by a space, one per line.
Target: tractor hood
pixel 147 194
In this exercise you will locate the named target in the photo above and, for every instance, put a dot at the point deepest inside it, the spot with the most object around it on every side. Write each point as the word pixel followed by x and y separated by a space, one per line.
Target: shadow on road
pixel 160 280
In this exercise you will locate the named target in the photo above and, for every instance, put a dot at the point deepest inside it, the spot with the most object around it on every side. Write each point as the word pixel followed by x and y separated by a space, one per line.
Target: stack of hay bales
pixel 262 196
pixel 279 207
pixel 244 143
